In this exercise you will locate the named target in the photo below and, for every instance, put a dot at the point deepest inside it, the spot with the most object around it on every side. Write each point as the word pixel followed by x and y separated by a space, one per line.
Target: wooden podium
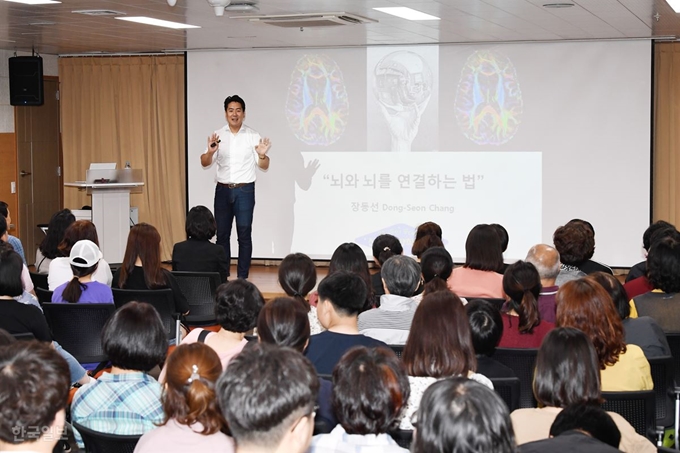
pixel 110 190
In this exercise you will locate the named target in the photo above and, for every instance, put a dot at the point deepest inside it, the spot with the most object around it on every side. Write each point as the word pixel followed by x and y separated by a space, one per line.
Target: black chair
pixel 662 375
pixel 403 437
pixel 161 299
pixel 199 288
pixel 78 327
pixel 96 442
pixel 638 408
pixel 522 362
pixel 674 343
pixel 27 336
pixel 398 349
pixel 509 391
pixel 39 280
pixel 44 295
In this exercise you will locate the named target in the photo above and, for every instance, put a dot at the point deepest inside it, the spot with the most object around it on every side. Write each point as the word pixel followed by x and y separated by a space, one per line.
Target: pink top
pixel 469 283
pixel 513 339
pixel 175 438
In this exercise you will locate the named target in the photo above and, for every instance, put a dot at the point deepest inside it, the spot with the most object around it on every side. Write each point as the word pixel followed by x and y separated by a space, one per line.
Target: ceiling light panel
pixel 406 13
pixel 156 22
pixel 34 2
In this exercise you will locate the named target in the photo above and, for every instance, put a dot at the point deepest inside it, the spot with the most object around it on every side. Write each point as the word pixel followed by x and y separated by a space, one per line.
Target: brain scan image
pixel 402 85
pixel 488 103
pixel 317 107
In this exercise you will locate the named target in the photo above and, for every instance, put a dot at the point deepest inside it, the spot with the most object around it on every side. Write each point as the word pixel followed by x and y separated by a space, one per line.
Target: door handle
pixel 24 173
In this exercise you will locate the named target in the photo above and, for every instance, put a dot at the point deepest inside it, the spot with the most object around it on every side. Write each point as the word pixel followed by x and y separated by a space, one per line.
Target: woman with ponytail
pixel 384 247
pixel 297 277
pixel 84 260
pixel 193 421
pixel 522 325
pixel 436 265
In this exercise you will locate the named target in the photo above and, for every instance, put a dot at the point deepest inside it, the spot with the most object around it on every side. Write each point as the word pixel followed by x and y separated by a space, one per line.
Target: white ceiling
pixel 54 29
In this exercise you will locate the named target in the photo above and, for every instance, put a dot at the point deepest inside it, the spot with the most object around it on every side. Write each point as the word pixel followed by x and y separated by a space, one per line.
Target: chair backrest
pixel 509 391
pixel 199 288
pixel 403 437
pixel 44 295
pixel 398 349
pixel 161 299
pixel 674 343
pixel 662 375
pixel 96 442
pixel 522 362
pixel 39 280
pixel 26 336
pixel 78 327
pixel 498 303
pixel 638 408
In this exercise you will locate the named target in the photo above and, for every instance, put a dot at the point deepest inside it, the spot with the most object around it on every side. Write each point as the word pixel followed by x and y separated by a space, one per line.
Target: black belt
pixel 232 185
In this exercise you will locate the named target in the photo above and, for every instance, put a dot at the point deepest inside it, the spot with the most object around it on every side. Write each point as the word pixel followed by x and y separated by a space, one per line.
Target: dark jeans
pixel 239 203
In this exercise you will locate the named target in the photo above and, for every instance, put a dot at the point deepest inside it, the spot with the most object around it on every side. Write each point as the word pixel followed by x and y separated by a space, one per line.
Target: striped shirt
pixel 390 322
pixel 124 404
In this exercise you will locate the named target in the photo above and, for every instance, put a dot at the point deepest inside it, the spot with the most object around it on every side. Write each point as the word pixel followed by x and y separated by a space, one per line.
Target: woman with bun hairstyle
pixel 384 247
pixel 193 420
pixel 429 234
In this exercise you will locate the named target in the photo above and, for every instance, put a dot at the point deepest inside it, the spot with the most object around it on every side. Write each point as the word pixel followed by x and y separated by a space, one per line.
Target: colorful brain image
pixel 488 103
pixel 317 108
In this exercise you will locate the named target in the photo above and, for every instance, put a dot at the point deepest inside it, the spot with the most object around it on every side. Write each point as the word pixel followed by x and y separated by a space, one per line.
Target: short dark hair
pixel 615 290
pixel 522 284
pixel 590 418
pixel 653 228
pixel 663 265
pixel 385 246
pixel 297 275
pixel 34 387
pixel 370 390
pixel 238 302
pixel 567 369
pixel 59 222
pixel 11 267
pixel 575 242
pixel 134 337
pixel 486 325
pixel 350 257
pixel 483 249
pixel 234 98
pixel 345 290
pixel 3 226
pixel 462 415
pixel 436 266
pixel 4 209
pixel 401 275
pixel 264 390
pixel 502 235
pixel 428 234
pixel 200 224
pixel 284 321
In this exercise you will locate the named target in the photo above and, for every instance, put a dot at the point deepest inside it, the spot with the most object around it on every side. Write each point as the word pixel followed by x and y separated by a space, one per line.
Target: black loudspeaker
pixel 26 81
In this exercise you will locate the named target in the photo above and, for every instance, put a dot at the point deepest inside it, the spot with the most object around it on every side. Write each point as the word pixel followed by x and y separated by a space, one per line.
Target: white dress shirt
pixel 60 273
pixel 236 156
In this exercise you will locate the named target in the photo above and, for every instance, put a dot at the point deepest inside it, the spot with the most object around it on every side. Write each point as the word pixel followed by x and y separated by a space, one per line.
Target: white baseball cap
pixel 85 253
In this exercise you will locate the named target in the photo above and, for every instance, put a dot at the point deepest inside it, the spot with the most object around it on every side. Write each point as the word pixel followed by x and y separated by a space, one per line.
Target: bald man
pixel 546 259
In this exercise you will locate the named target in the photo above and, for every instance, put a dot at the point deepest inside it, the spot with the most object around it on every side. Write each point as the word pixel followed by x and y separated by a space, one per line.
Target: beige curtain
pixel 118 109
pixel 666 171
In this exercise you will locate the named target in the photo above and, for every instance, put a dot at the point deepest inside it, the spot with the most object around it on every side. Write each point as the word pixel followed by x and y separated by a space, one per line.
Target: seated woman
pixel 567 372
pixel 439 346
pixel 384 247
pixel 461 415
pixel 436 265
pixel 642 331
pixel 370 388
pixel 297 277
pixel 60 268
pixel 523 327
pixel 479 275
pixel 428 235
pixel 193 421
pixel 486 327
pixel 125 400
pixel 84 259
pixel 585 305
pixel 283 321
pixel 197 253
pixel 142 269
pixel 48 248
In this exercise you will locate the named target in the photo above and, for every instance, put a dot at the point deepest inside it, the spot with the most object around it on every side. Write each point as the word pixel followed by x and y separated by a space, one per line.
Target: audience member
pixel 640 269
pixel 486 328
pixel 370 389
pixel 523 327
pixel 428 234
pixel 642 285
pixel 14 241
pixel 392 320
pixel 589 266
pixel 505 240
pixel 26 282
pixel 436 266
pixel 384 247
pixel 642 331
pixel 284 322
pixel 125 400
pixel 567 372
pixel 297 277
pixel 141 268
pixel 192 421
pixel 462 416
pixel 197 253
pixel 663 270
pixel 439 346
pixel 575 244
pixel 479 275
pixel 47 250
pixel 267 396
pixel 34 388
pixel 585 305
pixel 60 267
pixel 84 259
pixel 25 297
pixel 342 295
pixel 546 260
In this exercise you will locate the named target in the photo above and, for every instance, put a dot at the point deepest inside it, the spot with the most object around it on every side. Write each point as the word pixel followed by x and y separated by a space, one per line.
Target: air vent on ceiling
pixel 98 12
pixel 309 20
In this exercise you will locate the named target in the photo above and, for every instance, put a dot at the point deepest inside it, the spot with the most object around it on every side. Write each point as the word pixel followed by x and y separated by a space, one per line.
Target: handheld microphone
pixel 214 144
